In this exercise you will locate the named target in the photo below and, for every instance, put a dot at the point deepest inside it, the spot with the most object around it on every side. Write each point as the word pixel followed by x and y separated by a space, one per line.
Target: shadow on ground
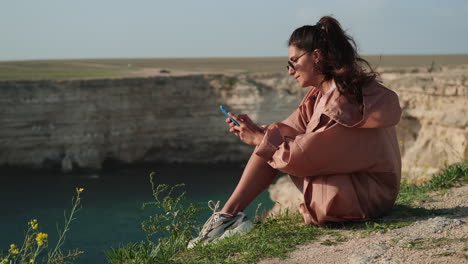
pixel 401 215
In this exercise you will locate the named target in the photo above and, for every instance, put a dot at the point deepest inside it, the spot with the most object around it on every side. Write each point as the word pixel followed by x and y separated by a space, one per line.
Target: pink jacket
pixel 348 154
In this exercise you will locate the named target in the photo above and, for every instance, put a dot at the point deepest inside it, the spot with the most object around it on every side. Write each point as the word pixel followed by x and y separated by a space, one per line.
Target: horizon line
pixel 216 57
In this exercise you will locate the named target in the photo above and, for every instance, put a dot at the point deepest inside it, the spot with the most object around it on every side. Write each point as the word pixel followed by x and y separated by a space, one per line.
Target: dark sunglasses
pixel 291 63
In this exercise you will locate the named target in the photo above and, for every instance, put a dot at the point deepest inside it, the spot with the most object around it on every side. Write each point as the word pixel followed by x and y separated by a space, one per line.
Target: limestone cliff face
pixel 82 123
pixel 433 131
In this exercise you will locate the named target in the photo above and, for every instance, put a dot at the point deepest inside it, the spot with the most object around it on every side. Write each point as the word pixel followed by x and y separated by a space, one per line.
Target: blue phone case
pixel 225 111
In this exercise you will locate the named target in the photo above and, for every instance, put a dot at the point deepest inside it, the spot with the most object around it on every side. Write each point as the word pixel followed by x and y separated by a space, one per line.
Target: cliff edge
pixel 85 123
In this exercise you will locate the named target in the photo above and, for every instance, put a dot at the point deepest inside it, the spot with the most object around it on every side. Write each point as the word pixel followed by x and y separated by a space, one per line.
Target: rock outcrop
pixel 85 123
pixel 433 131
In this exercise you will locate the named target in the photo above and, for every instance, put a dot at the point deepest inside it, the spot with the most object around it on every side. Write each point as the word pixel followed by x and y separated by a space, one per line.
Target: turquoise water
pixel 110 214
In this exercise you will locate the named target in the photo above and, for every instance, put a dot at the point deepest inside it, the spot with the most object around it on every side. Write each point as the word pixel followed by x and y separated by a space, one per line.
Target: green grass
pixel 453 175
pixel 274 237
pixel 277 237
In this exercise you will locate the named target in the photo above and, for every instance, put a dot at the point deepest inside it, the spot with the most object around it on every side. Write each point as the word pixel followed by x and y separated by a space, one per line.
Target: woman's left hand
pixel 248 131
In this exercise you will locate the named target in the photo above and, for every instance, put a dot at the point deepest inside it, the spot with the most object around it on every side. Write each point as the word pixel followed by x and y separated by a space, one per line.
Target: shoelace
pixel 213 206
pixel 209 223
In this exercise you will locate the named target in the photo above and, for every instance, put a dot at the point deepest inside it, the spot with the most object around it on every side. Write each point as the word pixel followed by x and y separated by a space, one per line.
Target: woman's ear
pixel 316 55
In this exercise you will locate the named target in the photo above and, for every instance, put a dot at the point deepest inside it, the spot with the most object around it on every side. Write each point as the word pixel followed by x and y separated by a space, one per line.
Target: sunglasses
pixel 291 63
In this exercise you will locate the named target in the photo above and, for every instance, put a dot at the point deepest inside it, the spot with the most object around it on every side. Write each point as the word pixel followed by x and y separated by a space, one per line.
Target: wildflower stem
pixel 26 237
pixel 51 256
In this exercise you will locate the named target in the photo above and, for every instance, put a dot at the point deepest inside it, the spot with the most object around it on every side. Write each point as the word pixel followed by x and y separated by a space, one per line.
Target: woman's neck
pixel 325 87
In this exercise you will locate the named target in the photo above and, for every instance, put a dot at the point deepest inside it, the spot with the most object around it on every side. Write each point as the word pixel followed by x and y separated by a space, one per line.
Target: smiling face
pixel 304 73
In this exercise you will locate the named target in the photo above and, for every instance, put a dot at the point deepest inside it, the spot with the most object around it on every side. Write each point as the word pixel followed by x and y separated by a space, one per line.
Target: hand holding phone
pixel 225 111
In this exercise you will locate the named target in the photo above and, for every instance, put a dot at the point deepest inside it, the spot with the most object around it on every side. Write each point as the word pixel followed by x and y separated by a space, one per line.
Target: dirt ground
pixel 441 237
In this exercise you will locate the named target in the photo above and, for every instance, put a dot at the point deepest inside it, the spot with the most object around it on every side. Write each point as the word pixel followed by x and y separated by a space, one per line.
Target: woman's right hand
pixel 248 131
pixel 246 120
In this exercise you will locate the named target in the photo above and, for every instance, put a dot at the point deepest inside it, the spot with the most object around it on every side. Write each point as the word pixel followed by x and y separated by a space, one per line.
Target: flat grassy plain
pixel 121 68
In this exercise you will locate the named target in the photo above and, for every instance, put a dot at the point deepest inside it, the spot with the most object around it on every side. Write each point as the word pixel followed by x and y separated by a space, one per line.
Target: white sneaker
pixel 220 226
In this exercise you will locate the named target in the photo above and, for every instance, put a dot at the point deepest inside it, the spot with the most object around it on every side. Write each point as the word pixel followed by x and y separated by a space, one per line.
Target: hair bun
pixel 319 25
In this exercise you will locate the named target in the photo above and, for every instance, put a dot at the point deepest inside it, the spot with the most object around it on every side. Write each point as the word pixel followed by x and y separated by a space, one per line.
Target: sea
pixel 111 207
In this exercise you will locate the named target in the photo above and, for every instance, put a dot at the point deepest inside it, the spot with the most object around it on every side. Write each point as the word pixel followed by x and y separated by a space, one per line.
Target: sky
pixel 62 29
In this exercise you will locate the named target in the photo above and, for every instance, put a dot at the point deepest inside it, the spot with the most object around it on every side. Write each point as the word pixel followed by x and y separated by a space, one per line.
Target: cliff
pixel 433 130
pixel 85 123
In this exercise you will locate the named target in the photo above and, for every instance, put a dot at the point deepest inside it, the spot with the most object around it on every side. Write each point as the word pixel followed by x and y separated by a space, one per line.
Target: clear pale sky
pixel 52 29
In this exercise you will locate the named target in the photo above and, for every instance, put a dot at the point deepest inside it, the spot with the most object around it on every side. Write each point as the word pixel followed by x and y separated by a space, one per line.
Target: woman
pixel 339 147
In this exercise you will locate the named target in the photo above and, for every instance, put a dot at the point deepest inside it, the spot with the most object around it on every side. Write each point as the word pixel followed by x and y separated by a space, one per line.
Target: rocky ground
pixel 441 236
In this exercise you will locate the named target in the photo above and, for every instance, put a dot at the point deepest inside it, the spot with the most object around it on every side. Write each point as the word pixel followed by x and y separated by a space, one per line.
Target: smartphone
pixel 225 111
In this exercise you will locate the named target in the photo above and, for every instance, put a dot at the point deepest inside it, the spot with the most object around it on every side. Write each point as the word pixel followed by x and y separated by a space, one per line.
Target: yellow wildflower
pixel 31 261
pixel 5 260
pixel 33 223
pixel 13 249
pixel 41 238
pixel 79 190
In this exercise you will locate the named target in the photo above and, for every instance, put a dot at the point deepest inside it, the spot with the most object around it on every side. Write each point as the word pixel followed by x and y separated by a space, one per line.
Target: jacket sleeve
pixel 337 149
pixel 301 117
pixel 297 120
